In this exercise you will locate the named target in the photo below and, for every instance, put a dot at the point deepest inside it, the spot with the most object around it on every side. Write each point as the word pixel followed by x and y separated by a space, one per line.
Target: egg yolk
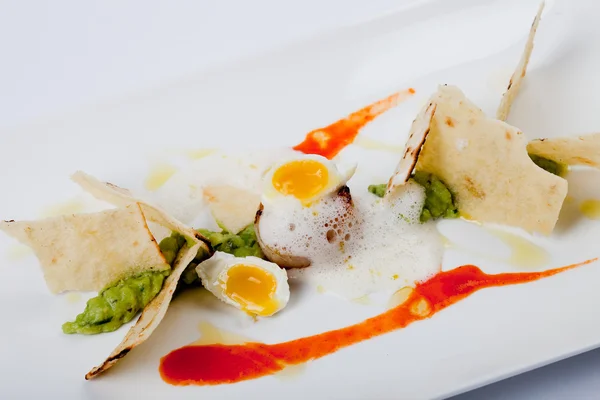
pixel 252 288
pixel 302 179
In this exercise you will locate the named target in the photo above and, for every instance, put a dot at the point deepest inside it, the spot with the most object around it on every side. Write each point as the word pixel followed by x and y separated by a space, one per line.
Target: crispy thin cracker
pixel 517 77
pixel 484 162
pixel 576 150
pixel 89 251
pixel 152 315
pixel 120 197
pixel 156 309
pixel 232 207
pixel 417 134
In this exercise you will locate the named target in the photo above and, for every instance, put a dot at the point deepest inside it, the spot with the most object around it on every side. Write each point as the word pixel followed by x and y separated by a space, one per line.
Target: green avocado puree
pixel 378 190
pixel 439 201
pixel 117 304
pixel 551 166
pixel 170 247
pixel 243 244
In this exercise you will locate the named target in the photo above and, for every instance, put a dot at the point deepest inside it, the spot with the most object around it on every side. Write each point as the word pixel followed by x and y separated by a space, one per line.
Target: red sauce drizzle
pixel 329 141
pixel 219 364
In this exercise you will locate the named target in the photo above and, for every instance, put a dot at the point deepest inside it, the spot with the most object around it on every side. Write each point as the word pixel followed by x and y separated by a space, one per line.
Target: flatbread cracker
pixel 156 309
pixel 89 251
pixel 517 77
pixel 233 208
pixel 484 162
pixel 418 132
pixel 152 315
pixel 120 197
pixel 576 150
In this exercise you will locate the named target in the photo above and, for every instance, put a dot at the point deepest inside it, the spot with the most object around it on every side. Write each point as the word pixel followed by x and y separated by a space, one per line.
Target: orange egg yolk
pixel 252 288
pixel 302 179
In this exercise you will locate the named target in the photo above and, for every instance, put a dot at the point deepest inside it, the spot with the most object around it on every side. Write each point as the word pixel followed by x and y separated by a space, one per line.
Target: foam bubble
pixel 373 246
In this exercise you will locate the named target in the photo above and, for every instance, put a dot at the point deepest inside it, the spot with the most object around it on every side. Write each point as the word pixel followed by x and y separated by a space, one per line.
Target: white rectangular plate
pixel 273 100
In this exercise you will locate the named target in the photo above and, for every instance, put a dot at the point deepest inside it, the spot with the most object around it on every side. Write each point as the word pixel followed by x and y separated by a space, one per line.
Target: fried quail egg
pixel 296 192
pixel 251 284
pixel 305 178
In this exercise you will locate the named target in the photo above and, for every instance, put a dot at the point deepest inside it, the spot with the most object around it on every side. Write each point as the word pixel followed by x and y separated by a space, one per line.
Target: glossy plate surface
pixel 273 101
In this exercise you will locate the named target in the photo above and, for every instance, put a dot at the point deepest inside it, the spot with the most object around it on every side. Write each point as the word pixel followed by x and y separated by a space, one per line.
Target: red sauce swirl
pixel 219 364
pixel 332 139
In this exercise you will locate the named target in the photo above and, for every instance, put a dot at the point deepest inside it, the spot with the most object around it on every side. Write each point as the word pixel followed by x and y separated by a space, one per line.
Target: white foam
pixel 377 246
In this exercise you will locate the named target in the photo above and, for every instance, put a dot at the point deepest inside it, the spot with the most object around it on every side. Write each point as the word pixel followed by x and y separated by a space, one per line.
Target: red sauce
pixel 218 364
pixel 329 141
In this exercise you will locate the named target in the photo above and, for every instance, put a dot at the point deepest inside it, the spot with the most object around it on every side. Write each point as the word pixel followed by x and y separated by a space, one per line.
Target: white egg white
pixel 214 275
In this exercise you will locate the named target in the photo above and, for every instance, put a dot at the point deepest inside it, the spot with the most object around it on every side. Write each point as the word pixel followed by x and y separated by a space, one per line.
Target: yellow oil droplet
pixel 210 334
pixel 321 289
pixel 197 154
pixel 18 252
pixel 399 297
pixel 468 217
pixel 420 307
pixel 291 372
pixel 523 253
pixel 73 297
pixel 350 267
pixel 72 206
pixel 590 208
pixel 372 144
pixel 159 175
pixel 395 276
pixel 374 272
pixel 362 300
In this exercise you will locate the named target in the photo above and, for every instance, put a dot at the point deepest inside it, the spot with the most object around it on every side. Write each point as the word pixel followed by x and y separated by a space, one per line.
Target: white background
pixel 59 55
